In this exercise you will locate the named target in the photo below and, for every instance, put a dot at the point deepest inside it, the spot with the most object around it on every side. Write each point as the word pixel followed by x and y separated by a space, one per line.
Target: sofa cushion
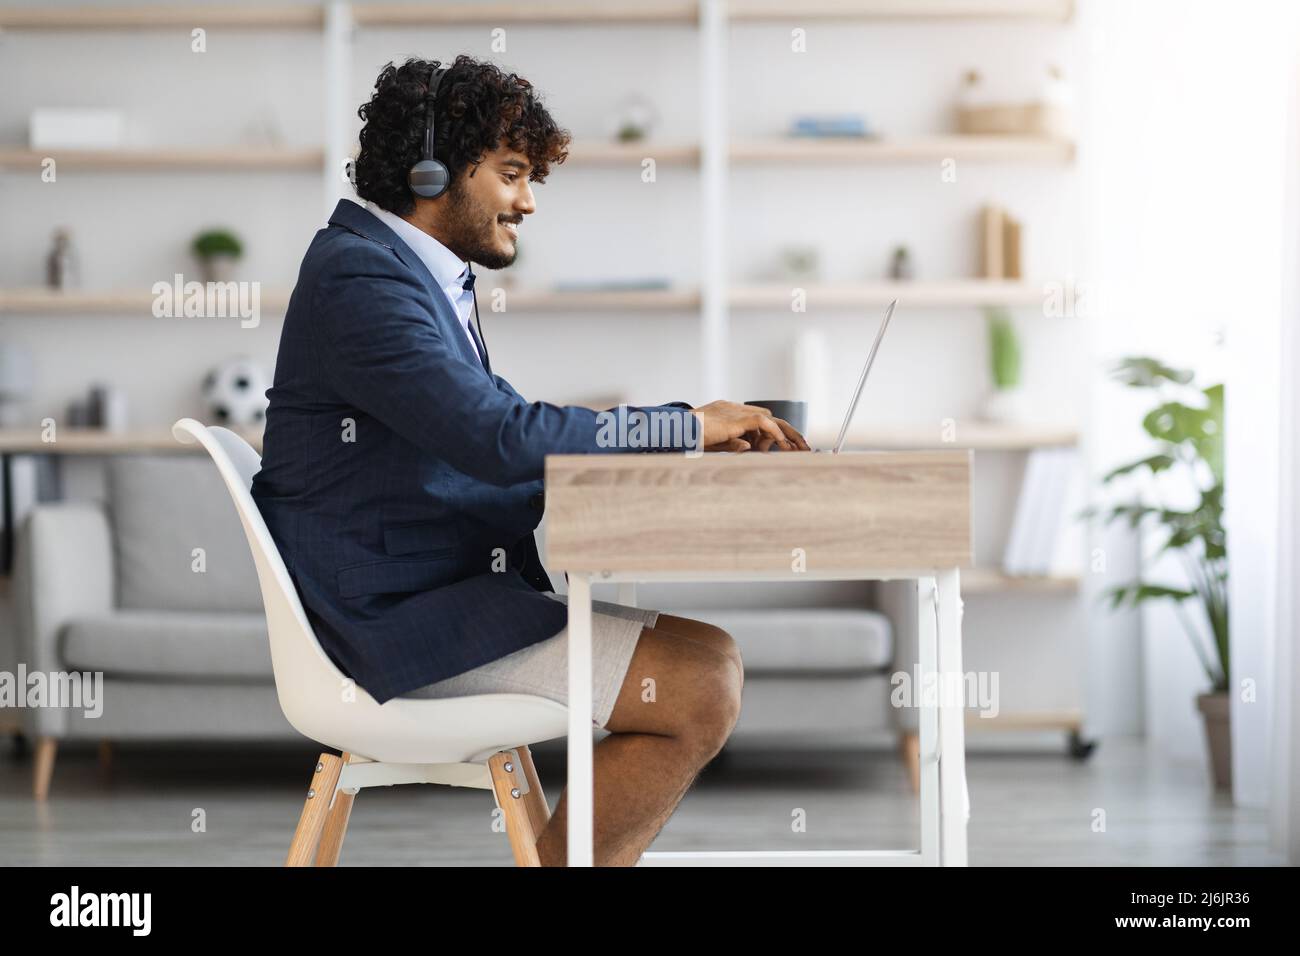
pixel 171 644
pixel 163 507
pixel 804 640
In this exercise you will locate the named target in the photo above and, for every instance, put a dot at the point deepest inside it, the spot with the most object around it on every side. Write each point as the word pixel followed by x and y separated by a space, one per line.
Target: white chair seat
pixel 447 730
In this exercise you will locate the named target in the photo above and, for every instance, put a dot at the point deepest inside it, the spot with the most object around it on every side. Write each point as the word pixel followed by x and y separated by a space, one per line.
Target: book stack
pixel 1000 235
pixel 1046 537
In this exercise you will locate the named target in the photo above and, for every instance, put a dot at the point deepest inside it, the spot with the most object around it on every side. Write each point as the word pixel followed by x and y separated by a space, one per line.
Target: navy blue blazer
pixel 402 480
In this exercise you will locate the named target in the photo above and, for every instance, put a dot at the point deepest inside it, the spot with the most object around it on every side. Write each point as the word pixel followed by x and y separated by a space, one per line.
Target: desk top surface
pixel 773 512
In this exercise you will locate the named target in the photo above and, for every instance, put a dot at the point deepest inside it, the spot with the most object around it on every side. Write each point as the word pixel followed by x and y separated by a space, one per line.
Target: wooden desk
pixel 773 517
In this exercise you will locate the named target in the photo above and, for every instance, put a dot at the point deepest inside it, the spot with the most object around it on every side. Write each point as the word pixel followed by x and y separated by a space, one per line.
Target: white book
pixel 1017 555
pixel 1068 558
pixel 1048 521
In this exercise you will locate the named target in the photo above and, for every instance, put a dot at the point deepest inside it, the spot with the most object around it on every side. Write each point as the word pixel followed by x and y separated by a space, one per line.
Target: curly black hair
pixel 479 109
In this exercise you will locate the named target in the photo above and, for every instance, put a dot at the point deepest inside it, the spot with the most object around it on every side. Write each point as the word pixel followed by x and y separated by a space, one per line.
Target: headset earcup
pixel 428 178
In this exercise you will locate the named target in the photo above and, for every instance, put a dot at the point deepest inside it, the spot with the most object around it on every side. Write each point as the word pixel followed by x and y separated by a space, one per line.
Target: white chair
pixel 480 741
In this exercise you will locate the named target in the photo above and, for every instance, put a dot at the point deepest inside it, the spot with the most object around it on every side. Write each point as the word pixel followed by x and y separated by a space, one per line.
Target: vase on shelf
pixel 1005 406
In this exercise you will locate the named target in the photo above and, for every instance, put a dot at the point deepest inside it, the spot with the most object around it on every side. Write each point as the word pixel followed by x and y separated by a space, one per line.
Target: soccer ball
pixel 235 392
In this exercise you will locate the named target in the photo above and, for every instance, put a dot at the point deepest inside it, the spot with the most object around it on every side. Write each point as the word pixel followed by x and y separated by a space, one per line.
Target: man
pixel 402 478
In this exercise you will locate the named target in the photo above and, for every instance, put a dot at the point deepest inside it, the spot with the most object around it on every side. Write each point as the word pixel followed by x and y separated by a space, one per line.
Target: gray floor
pixel 1035 809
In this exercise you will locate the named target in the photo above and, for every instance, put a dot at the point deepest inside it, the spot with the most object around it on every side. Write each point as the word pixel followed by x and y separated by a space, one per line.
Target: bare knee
pixel 681 688
pixel 704 633
pixel 714 706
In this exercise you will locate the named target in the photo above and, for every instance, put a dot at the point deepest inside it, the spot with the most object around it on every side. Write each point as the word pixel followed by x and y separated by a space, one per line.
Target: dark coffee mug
pixel 794 412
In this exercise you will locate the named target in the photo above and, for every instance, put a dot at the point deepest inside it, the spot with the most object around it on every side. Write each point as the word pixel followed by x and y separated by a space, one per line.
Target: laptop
pixel 857 392
pixel 862 380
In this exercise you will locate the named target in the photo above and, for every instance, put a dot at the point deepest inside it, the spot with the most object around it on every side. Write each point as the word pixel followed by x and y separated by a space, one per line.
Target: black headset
pixel 429 177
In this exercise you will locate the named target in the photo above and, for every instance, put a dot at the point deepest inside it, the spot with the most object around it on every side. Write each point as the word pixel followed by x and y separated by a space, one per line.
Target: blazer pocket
pixel 428 536
pixel 394 577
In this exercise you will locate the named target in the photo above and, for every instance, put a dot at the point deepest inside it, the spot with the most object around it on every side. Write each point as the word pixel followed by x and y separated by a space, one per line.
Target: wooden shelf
pixel 97 441
pixel 639 300
pixel 1055 10
pixel 138 159
pixel 572 13
pixel 1069 721
pixel 975 434
pixel 898 150
pixel 588 153
pixel 598 153
pixel 116 302
pixel 994 581
pixel 262 16
pixel 902 150
pixel 912 294
pixel 39 301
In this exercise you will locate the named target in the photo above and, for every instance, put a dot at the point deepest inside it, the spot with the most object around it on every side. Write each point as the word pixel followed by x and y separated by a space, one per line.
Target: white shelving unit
pixel 718 300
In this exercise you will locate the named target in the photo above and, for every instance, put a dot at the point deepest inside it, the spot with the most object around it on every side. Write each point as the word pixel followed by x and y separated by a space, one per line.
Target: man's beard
pixel 473 230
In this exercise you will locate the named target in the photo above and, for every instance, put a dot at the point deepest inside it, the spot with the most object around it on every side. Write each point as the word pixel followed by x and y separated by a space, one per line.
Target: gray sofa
pixel 160 596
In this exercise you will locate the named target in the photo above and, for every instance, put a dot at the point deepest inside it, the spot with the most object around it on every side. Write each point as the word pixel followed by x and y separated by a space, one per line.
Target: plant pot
pixel 1006 405
pixel 218 268
pixel 1216 709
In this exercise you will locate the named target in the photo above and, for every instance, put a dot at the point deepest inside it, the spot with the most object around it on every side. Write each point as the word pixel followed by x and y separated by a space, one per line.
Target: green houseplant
pixel 216 250
pixel 1005 403
pixel 1187 426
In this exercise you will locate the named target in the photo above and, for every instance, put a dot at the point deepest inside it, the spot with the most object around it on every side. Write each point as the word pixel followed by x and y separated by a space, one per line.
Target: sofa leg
pixel 336 824
pixel 909 748
pixel 306 839
pixel 520 809
pixel 46 748
pixel 106 757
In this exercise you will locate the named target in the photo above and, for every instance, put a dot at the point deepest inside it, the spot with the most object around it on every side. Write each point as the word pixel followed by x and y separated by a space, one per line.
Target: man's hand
pixel 728 426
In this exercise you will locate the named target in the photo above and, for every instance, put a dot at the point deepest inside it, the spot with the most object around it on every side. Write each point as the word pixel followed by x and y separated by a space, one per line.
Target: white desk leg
pixel 580 799
pixel 952 731
pixel 627 593
pixel 927 599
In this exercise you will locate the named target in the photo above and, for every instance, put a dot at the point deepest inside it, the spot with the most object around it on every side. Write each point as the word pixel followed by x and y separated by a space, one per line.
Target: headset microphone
pixel 429 177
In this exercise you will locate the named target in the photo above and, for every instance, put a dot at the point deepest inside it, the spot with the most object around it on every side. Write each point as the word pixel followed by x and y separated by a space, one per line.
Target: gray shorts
pixel 543 668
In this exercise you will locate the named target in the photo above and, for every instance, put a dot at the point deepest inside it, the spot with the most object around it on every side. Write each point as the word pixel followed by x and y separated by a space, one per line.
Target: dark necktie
pixel 468 286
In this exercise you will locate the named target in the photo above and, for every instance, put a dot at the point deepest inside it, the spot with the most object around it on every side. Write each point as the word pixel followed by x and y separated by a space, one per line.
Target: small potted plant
pixel 1005 403
pixel 217 250
pixel 1187 425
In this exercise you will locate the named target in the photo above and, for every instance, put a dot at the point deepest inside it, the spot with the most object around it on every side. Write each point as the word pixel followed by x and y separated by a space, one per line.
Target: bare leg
pixel 661 735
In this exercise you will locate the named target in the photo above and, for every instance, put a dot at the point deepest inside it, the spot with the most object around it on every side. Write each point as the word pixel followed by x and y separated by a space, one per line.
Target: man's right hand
pixel 728 426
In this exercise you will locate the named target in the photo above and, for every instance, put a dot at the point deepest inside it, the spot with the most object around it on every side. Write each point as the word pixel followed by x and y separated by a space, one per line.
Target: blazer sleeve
pixel 382 351
pixel 510 389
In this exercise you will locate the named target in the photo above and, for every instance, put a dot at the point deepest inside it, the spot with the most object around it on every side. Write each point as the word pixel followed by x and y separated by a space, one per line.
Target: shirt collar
pixel 441 262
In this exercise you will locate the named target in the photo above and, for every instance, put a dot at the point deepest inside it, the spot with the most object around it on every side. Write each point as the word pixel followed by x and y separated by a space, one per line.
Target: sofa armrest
pixel 63 569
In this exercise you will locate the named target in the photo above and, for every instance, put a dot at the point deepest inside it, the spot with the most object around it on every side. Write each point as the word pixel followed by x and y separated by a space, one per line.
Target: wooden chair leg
pixel 519 810
pixel 909 748
pixel 535 799
pixel 306 839
pixel 336 824
pixel 46 748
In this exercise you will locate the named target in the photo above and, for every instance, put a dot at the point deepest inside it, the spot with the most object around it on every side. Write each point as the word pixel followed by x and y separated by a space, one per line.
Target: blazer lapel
pixel 358 219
